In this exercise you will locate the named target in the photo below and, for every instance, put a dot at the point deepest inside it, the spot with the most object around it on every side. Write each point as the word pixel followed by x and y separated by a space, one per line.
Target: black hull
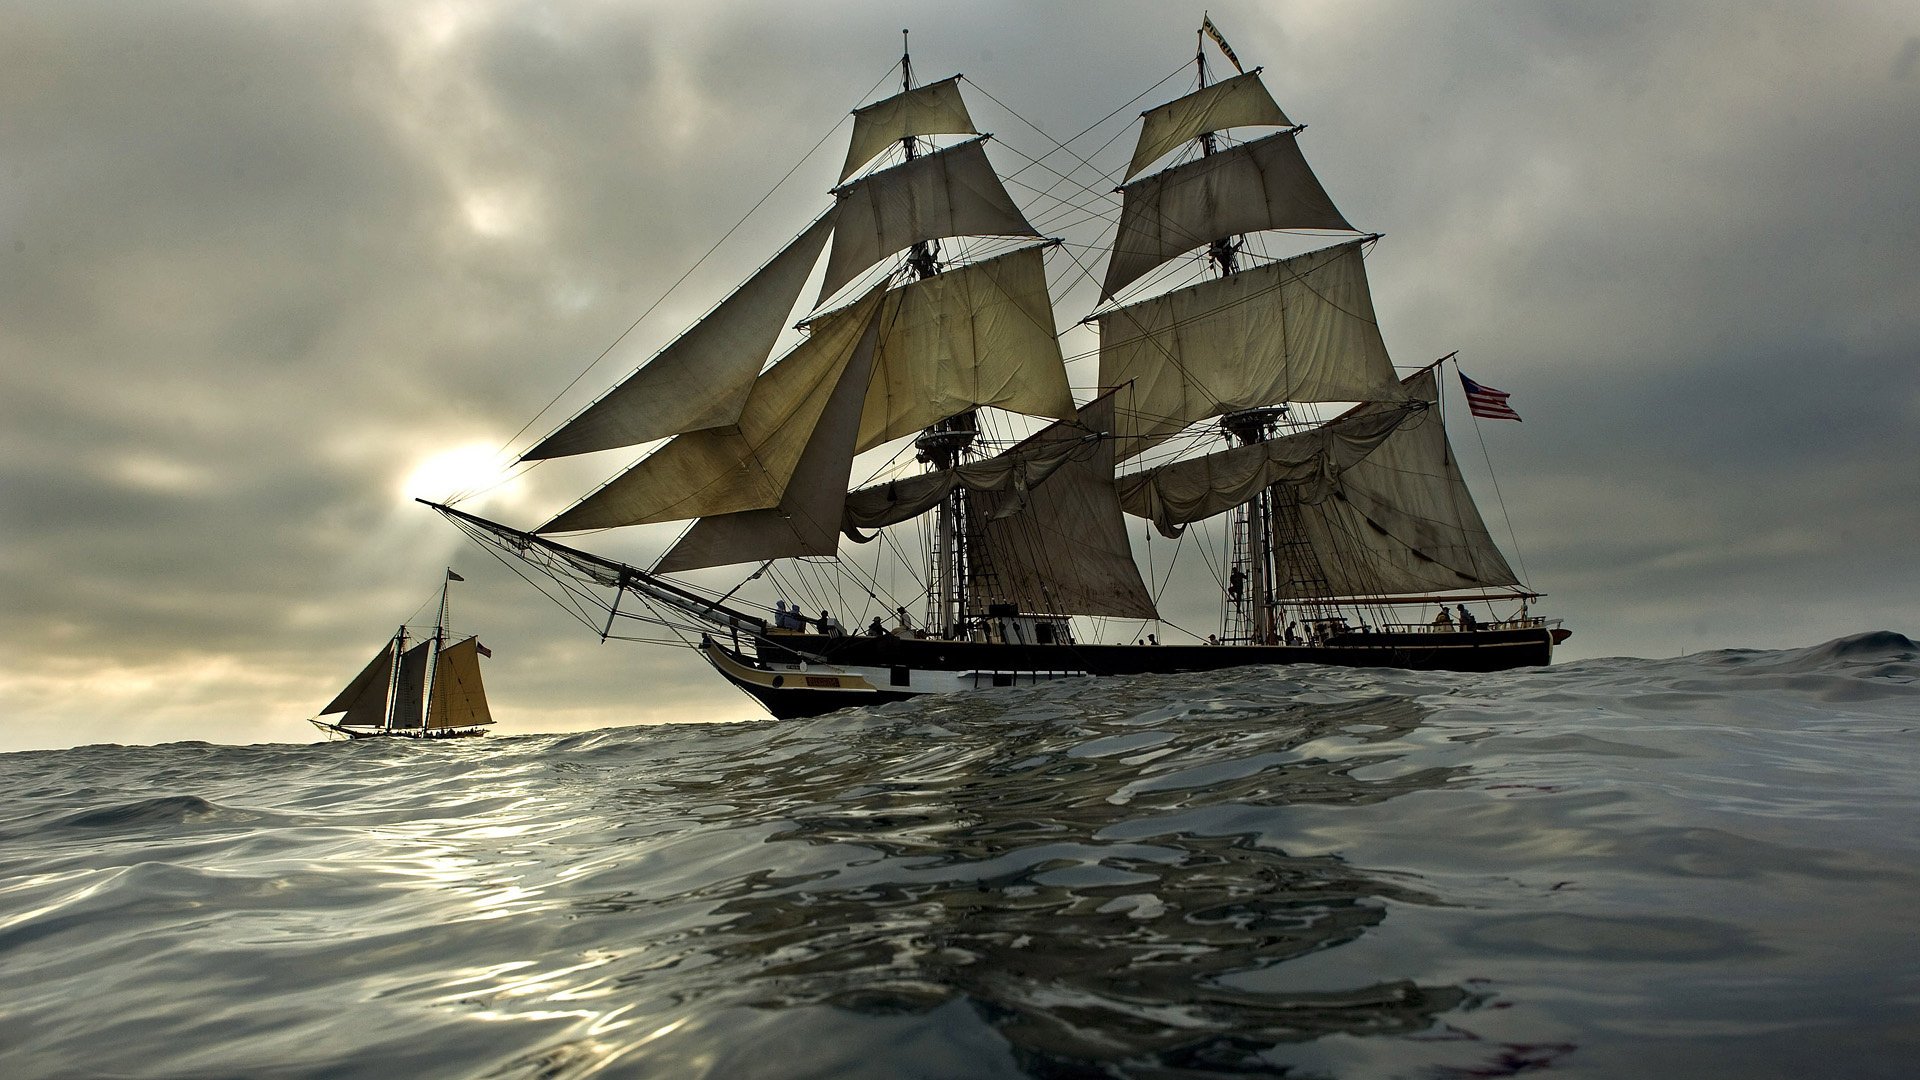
pixel 827 681
pixel 384 733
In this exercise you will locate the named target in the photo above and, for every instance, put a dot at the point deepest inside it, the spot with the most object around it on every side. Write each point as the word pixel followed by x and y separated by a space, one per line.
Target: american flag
pixel 1486 402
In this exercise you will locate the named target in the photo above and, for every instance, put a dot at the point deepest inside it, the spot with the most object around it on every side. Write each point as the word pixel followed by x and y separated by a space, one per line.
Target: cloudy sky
pixel 265 266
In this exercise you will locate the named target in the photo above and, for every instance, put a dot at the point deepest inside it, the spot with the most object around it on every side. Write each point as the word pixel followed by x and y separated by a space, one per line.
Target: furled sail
pixel 703 378
pixel 1058 547
pixel 1311 462
pixel 1401 520
pixel 459 700
pixel 365 698
pixel 950 192
pixel 1018 470
pixel 745 466
pixel 410 690
pixel 1264 184
pixel 1242 101
pixel 980 334
pixel 933 109
pixel 1301 329
pixel 807 519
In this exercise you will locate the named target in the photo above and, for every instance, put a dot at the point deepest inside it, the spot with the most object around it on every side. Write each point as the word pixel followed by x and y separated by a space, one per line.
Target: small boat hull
pixel 386 733
pixel 799 675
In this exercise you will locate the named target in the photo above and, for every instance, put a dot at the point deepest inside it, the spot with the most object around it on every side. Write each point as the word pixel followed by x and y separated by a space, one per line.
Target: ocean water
pixel 1698 867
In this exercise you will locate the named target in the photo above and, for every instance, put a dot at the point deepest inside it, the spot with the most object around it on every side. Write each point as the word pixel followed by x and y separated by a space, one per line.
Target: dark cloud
pixel 260 262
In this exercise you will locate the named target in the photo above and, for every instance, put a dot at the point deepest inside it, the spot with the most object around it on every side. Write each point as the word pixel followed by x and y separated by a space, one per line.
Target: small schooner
pixel 933 336
pixel 424 688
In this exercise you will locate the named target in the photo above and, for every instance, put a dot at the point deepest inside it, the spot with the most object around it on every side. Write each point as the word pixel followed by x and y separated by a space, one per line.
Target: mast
pixel 433 657
pixel 941 447
pixel 395 677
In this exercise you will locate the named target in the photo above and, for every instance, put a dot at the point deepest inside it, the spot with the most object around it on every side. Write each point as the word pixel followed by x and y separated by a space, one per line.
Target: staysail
pixel 701 380
pixel 365 698
pixel 806 520
pixel 745 466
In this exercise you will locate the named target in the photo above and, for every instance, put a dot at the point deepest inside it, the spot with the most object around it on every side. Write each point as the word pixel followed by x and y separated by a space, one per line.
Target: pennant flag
pixel 483 650
pixel 1486 402
pixel 451 576
pixel 1207 27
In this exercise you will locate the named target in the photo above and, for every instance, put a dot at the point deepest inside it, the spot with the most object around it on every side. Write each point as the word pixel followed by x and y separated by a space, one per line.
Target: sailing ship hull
pixel 388 733
pixel 800 675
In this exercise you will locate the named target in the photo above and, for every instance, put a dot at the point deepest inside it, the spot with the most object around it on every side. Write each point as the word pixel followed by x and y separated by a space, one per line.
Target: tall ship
pixel 911 499
pixel 422 685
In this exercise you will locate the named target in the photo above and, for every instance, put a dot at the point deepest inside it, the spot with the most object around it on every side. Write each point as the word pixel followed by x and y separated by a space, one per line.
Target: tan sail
pixel 933 109
pixel 1242 101
pixel 459 699
pixel 1301 329
pixel 1264 184
pixel 745 466
pixel 1401 520
pixel 701 380
pixel 1059 547
pixel 365 698
pixel 807 519
pixel 410 690
pixel 980 334
pixel 951 192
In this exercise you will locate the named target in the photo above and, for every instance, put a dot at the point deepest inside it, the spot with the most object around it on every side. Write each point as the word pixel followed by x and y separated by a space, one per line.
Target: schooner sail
pixel 431 691
pixel 1331 527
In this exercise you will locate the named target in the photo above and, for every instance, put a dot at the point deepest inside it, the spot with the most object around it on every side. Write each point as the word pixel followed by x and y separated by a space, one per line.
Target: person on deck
pixel 876 628
pixel 1443 621
pixel 1293 638
pixel 1466 618
pixel 830 626
pixel 901 624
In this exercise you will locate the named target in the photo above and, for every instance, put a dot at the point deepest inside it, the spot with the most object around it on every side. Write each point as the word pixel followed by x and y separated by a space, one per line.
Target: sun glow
pixel 465 470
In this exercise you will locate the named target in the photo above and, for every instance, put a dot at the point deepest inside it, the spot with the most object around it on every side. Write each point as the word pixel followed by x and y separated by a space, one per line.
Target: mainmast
pixel 1250 608
pixel 941 447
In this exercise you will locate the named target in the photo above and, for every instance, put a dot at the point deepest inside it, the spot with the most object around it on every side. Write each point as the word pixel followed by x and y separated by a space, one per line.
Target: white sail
pixel 365 698
pixel 1401 520
pixel 1264 184
pixel 980 334
pixel 807 519
pixel 1059 547
pixel 933 109
pixel 458 698
pixel 703 378
pixel 745 466
pixel 951 192
pixel 1242 101
pixel 1301 329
